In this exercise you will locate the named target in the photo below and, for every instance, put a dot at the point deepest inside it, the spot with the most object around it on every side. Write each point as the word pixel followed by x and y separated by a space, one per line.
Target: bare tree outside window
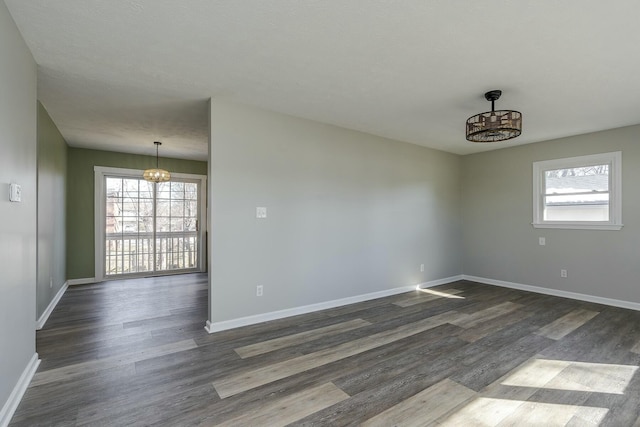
pixel 581 171
pixel 150 227
pixel 577 193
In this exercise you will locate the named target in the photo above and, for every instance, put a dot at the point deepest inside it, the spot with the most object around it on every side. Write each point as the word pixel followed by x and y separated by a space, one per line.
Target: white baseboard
pixel 555 292
pixel 212 327
pixel 208 326
pixel 85 281
pixel 15 397
pixel 45 315
pixel 439 282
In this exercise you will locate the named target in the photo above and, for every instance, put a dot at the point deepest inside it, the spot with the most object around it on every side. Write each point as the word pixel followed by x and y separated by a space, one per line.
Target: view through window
pixel 582 192
pixel 150 228
pixel 577 194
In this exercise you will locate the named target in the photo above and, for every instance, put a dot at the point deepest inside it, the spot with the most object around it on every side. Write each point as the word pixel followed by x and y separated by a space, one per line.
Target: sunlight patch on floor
pixel 544 392
pixel 575 376
pixel 438 293
pixel 484 411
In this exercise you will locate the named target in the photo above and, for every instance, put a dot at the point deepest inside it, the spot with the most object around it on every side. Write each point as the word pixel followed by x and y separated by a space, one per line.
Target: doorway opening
pixel 148 229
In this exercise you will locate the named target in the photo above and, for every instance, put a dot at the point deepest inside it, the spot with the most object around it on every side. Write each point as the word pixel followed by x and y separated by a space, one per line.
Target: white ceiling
pixel 119 74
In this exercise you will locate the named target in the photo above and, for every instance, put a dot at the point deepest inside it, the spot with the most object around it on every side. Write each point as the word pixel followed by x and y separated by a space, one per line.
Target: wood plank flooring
pixel 135 353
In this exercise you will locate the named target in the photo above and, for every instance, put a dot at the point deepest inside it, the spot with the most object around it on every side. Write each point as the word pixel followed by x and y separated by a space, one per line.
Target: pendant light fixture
pixel 493 125
pixel 156 174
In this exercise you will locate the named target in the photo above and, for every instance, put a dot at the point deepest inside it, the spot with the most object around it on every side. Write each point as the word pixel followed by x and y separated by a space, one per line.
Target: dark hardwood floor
pixel 134 353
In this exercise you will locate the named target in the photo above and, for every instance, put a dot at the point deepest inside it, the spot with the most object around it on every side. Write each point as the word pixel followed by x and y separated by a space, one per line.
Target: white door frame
pixel 100 172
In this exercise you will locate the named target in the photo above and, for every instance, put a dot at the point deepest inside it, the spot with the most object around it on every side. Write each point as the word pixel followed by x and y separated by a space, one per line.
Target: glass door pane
pixel 150 228
pixel 129 226
pixel 177 231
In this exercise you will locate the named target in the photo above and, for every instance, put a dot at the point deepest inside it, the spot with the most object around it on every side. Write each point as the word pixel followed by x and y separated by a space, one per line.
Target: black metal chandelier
pixel 493 125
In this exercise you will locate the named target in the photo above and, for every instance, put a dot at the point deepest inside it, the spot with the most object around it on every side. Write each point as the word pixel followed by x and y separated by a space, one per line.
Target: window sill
pixel 578 226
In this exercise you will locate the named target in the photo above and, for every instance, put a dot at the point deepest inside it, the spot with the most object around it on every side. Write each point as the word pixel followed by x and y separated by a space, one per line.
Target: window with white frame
pixel 578 192
pixel 142 228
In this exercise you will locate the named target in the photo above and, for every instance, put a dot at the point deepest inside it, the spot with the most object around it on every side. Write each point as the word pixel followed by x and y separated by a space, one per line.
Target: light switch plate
pixel 261 212
pixel 542 241
pixel 15 193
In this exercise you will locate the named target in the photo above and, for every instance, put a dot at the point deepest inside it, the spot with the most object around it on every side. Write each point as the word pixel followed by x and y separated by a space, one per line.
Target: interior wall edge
pixel 555 292
pixel 18 391
pixel 212 327
pixel 42 320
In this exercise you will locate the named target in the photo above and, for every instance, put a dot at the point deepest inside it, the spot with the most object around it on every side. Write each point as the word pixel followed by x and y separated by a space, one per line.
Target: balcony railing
pixel 130 253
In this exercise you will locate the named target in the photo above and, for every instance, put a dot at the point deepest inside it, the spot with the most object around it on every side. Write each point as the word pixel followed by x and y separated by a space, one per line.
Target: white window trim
pixel 614 159
pixel 100 208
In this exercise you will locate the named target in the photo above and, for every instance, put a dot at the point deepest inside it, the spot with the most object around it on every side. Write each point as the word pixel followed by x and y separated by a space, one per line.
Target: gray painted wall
pixel 500 243
pixel 348 213
pixel 17 220
pixel 52 195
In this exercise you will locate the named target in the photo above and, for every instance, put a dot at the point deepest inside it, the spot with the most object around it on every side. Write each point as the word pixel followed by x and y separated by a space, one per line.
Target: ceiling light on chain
pixel 493 125
pixel 156 174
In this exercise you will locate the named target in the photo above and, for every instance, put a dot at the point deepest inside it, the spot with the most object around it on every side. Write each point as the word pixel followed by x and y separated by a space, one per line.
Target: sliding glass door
pixel 176 226
pixel 147 228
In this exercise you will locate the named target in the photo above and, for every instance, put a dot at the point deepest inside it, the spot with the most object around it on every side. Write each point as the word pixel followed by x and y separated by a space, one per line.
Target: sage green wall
pixel 500 243
pixel 18 235
pixel 80 199
pixel 52 189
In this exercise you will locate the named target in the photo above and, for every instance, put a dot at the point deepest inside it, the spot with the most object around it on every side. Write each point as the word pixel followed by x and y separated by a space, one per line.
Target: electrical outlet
pixel 261 212
pixel 563 273
pixel 422 267
pixel 542 241
pixel 259 290
pixel 15 192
